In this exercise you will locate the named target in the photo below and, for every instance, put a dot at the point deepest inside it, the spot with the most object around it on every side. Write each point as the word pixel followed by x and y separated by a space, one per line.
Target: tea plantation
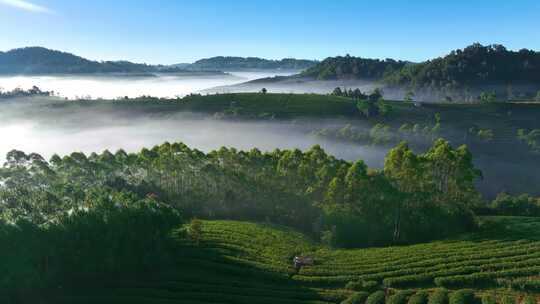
pixel 241 262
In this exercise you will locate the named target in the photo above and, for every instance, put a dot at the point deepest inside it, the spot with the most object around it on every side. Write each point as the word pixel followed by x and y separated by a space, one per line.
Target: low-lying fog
pixel 108 87
pixel 52 125
pixel 34 126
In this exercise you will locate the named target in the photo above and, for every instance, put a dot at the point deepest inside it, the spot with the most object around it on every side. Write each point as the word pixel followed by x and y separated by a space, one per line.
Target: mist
pixel 40 125
pixel 114 86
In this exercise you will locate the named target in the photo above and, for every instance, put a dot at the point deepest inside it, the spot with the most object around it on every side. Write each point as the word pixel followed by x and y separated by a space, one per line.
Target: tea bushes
pixel 439 296
pixel 377 297
pixel 462 296
pixel 421 297
pixel 356 298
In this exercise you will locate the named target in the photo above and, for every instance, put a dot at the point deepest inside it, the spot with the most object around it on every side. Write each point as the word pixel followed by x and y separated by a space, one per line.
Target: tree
pixel 367 108
pixel 337 91
pixel 488 97
pixel 195 230
pixel 264 91
pixel 405 171
pixel 538 96
pixel 486 135
pixel 376 95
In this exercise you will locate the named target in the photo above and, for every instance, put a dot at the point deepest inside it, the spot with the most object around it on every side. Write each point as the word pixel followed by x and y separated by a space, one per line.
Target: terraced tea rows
pixel 239 262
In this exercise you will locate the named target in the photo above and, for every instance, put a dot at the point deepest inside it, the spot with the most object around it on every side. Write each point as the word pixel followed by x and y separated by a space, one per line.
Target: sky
pixel 178 31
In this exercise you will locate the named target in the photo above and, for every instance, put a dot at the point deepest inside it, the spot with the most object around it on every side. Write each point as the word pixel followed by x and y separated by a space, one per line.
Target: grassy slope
pixel 247 105
pixel 497 116
pixel 239 262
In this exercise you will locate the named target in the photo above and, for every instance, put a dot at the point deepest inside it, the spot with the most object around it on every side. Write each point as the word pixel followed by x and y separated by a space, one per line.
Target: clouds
pixel 27 6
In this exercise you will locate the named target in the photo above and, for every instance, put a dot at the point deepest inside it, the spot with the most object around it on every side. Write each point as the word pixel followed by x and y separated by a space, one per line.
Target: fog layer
pixel 109 87
pixel 37 125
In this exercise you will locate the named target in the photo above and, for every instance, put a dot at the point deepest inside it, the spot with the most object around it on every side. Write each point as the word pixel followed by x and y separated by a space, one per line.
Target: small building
pixel 301 261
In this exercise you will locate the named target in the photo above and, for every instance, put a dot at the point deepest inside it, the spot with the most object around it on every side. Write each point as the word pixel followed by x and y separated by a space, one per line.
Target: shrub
pixel 370 285
pixel 376 298
pixel 439 296
pixel 421 297
pixel 400 297
pixel 529 300
pixel 354 285
pixel 508 300
pixel 489 299
pixel 362 285
pixel 195 230
pixel 356 298
pixel 462 296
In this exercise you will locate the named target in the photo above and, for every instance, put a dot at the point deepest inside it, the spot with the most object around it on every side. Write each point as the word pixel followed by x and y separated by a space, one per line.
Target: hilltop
pixel 250 63
pixel 39 60
pixel 474 65
pixel 462 75
pixel 349 67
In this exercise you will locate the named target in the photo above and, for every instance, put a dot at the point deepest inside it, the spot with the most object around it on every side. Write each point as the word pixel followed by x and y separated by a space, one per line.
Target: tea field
pixel 241 262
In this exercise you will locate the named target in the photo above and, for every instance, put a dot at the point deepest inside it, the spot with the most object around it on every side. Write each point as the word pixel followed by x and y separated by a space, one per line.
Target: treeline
pixel 420 136
pixel 343 202
pixel 18 92
pixel 513 205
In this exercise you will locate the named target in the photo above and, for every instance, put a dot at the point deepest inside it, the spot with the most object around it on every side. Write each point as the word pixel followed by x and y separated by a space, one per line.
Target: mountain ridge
pixel 41 60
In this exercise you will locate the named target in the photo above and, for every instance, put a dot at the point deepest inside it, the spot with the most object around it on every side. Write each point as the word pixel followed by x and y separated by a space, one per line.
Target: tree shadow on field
pixel 214 271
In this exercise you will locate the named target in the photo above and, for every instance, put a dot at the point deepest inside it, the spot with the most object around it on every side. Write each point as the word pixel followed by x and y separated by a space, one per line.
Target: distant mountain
pixel 39 60
pixel 250 63
pixel 349 67
pixel 473 66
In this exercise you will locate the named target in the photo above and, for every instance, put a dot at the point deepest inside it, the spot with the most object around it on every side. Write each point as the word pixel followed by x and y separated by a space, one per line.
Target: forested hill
pixel 39 60
pixel 475 65
pixel 241 63
pixel 472 66
pixel 350 67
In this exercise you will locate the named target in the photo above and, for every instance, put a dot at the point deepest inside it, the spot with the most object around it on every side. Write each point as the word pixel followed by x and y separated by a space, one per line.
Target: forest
pixel 350 67
pixel 474 65
pixel 73 220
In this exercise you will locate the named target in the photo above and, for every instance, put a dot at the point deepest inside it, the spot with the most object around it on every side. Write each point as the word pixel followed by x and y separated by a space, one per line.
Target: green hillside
pixel 474 65
pixel 241 262
pixel 222 63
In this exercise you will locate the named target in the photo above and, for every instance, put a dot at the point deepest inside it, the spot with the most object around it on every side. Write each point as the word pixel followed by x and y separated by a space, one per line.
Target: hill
pixel 250 63
pixel 462 75
pixel 38 60
pixel 241 262
pixel 349 67
pixel 474 65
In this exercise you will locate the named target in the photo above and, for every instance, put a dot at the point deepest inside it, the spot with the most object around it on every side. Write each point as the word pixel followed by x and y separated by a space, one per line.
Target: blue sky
pixel 186 30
